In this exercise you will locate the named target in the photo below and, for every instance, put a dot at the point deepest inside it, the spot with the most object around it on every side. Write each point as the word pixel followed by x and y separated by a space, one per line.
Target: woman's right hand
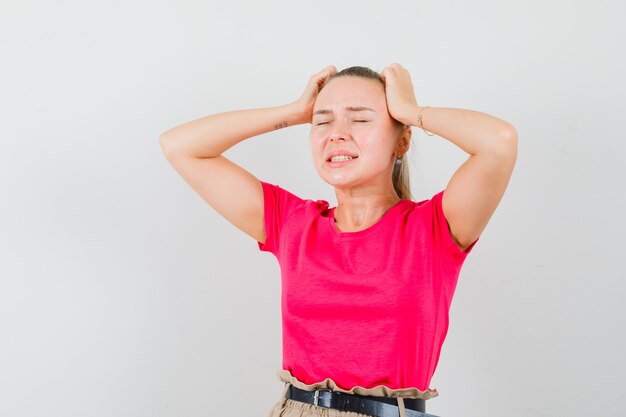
pixel 307 100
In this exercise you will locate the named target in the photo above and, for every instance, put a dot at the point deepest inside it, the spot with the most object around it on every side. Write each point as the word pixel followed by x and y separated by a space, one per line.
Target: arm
pixel 195 150
pixel 212 135
pixel 477 186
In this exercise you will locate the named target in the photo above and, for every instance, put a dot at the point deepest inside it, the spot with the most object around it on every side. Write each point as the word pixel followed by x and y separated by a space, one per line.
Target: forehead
pixel 349 91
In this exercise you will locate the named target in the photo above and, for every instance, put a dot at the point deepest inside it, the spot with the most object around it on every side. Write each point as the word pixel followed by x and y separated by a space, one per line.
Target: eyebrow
pixel 349 108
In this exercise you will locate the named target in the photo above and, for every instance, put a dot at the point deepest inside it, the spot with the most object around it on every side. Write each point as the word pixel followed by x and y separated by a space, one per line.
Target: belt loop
pixel 401 406
pixel 283 398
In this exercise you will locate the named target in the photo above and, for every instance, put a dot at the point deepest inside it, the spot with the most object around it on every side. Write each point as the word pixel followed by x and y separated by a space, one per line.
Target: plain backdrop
pixel 122 293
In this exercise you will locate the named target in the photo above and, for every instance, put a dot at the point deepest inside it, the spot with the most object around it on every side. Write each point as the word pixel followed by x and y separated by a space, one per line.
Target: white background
pixel 122 293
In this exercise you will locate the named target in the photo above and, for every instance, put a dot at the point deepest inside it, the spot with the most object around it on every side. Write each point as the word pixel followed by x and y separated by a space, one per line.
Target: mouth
pixel 340 162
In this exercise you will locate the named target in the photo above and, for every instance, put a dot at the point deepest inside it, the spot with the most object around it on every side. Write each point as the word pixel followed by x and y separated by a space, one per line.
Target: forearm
pixel 212 135
pixel 472 131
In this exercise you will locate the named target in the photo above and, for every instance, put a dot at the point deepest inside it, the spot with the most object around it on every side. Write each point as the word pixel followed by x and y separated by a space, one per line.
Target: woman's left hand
pixel 401 100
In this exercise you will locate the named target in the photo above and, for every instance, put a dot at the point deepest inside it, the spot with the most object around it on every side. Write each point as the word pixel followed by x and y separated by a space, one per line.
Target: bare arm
pixel 212 135
pixel 473 131
pixel 477 186
pixel 195 150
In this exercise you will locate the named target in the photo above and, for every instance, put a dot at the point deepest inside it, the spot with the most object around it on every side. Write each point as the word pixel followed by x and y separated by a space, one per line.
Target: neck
pixel 359 213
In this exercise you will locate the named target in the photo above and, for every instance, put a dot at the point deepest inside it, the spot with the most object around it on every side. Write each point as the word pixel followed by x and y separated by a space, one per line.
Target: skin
pixel 363 187
pixel 364 190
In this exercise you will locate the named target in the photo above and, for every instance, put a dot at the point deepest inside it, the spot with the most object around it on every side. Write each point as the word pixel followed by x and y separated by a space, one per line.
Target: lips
pixel 340 164
pixel 341 152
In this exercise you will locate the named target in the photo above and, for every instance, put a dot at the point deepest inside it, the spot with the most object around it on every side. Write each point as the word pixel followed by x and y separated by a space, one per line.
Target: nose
pixel 336 138
pixel 338 135
pixel 341 130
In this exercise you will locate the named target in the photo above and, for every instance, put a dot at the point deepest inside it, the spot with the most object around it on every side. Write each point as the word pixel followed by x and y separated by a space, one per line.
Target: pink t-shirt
pixel 362 308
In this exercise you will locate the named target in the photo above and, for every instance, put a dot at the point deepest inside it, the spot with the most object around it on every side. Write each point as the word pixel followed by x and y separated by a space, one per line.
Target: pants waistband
pixel 364 404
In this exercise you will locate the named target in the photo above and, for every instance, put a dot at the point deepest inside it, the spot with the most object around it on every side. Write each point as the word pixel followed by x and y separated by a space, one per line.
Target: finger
pixel 321 76
pixel 384 75
pixel 331 70
pixel 326 74
pixel 386 71
pixel 328 70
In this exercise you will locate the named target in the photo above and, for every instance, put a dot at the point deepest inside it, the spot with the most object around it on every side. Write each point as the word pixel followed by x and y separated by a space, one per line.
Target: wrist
pixel 300 114
pixel 420 118
pixel 294 114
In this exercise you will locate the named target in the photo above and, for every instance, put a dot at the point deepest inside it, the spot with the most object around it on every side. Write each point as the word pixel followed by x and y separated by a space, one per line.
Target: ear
pixel 404 140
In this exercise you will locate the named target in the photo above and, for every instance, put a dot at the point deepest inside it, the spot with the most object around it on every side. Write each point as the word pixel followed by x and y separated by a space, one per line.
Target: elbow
pixel 509 133
pixel 506 145
pixel 166 143
pixel 164 137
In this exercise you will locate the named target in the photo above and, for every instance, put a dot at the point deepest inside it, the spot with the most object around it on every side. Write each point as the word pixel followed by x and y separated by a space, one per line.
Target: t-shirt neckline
pixel 337 232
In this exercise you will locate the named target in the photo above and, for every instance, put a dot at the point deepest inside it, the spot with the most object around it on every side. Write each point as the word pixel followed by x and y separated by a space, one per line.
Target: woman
pixel 366 285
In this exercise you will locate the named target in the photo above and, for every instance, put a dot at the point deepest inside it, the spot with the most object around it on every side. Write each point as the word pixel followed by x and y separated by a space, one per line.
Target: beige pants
pixel 291 408
pixel 286 407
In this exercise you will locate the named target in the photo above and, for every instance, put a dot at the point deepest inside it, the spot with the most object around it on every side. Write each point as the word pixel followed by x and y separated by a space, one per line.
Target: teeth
pixel 341 158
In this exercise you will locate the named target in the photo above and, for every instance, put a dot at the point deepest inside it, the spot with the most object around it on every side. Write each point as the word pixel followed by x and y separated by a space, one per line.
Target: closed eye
pixel 360 121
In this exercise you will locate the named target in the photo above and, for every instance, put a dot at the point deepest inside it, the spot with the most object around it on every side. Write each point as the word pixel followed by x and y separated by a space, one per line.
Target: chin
pixel 338 182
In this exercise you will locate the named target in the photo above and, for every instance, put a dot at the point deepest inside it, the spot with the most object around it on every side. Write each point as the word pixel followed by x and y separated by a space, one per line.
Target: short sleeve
pixel 442 235
pixel 279 204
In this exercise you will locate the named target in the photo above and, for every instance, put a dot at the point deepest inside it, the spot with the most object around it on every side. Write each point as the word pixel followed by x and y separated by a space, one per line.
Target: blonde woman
pixel 366 284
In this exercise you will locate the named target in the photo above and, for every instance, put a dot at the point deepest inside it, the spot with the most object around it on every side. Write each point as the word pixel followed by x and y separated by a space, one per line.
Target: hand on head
pixel 307 100
pixel 399 93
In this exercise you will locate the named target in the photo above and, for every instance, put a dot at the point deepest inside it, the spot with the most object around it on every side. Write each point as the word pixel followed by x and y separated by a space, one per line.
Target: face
pixel 340 123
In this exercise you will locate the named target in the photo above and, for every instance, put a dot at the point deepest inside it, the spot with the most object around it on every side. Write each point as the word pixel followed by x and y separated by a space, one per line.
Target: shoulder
pixel 289 201
pixel 427 213
pixel 422 207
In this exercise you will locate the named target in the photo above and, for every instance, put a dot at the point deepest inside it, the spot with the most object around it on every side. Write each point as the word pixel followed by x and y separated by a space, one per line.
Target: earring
pixel 398 160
